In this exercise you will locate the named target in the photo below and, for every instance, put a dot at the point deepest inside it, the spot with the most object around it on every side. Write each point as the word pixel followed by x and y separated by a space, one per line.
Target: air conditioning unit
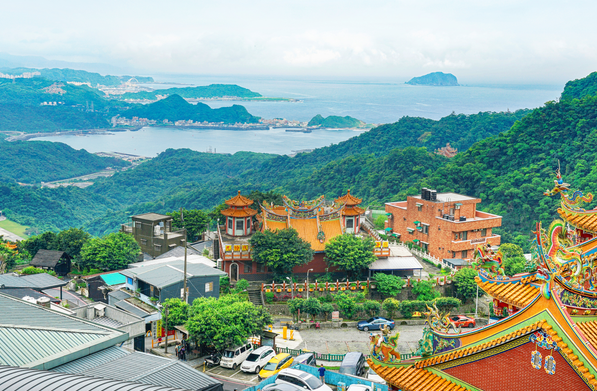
pixel 219 264
pixel 100 310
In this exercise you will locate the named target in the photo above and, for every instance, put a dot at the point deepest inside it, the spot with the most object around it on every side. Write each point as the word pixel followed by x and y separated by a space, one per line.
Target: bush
pixel 390 305
pixel 388 285
pixel 224 285
pixel 326 310
pixel 359 310
pixel 327 277
pixel 311 306
pixel 466 286
pixel 241 286
pixel 424 290
pixel 269 297
pixel 346 304
pixel 372 307
pixel 326 299
pixel 32 270
pixel 294 305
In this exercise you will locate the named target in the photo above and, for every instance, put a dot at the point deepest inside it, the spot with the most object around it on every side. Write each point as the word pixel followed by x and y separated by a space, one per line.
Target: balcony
pixel 459 245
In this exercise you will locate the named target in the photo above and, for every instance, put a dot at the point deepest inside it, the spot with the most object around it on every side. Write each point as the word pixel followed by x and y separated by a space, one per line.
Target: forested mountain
pixel 581 87
pixel 210 91
pixel 174 108
pixel 334 121
pixel 67 74
pixel 44 161
pixel 434 79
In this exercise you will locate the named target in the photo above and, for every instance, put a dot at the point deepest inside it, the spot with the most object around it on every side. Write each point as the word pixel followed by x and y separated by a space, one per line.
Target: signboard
pixel 228 248
pixel 377 244
pixel 159 329
pixel 386 244
pixel 335 316
pixel 154 328
pixel 236 248
pixel 245 247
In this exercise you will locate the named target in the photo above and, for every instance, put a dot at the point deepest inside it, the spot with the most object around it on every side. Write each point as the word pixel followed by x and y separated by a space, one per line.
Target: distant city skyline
pixel 478 41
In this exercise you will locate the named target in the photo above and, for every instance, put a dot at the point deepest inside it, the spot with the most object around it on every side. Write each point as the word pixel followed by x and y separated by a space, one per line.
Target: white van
pixel 233 357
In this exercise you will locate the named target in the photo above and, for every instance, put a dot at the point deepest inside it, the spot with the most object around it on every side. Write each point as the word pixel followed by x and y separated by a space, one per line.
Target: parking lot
pixel 333 341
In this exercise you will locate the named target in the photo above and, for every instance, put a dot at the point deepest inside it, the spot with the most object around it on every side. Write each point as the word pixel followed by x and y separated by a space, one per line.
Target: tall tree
pixel 112 252
pixel 350 253
pixel 195 221
pixel 281 250
pixel 466 287
pixel 226 321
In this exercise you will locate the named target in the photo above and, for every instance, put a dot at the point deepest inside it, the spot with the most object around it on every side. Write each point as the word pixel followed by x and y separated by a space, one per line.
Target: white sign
pixel 335 316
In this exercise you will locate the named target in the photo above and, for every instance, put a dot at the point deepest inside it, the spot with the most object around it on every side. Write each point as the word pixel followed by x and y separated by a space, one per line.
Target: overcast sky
pixel 478 41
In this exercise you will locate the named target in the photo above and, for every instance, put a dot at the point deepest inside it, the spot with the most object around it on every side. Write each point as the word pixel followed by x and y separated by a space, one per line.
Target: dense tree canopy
pixel 281 250
pixel 350 253
pixel 466 287
pixel 112 252
pixel 196 222
pixel 226 321
pixel 178 312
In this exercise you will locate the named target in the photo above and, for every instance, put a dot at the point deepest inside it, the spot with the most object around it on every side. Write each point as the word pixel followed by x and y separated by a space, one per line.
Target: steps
pixel 255 297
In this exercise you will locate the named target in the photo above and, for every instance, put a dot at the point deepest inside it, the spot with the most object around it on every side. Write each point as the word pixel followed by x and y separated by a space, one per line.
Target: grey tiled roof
pixel 35 281
pixel 33 380
pixel 119 364
pixel 162 275
pixel 46 258
pixel 178 251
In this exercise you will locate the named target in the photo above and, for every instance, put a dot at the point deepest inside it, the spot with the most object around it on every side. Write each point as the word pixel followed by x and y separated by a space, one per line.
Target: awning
pixel 416 240
pixel 388 229
pixel 411 230
pixel 417 222
pixel 389 214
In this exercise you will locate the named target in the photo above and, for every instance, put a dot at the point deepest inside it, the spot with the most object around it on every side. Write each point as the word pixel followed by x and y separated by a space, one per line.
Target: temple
pixel 316 221
pixel 546 338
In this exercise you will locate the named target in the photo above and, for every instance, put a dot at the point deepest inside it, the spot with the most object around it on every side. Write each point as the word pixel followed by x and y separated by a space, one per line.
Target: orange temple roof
pixel 233 212
pixel 517 294
pixel 584 220
pixel 348 199
pixel 239 201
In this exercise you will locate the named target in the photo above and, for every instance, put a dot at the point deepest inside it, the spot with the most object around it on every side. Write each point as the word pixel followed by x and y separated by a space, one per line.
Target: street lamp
pixel 310 270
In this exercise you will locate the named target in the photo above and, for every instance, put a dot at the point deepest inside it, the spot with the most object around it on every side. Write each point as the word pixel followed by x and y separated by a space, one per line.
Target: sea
pixel 372 101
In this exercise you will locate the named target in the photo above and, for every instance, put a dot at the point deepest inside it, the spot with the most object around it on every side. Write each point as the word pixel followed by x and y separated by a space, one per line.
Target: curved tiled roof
pixel 589 330
pixel 244 212
pixel 518 293
pixel 354 211
pixel 409 378
pixel 348 199
pixel 586 220
pixel 239 200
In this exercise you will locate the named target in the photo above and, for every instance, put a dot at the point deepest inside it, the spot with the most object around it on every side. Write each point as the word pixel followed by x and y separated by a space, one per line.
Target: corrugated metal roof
pixel 34 336
pixel 109 322
pixel 117 363
pixel 23 379
pixel 119 295
pixel 22 346
pixel 35 281
pixel 125 305
pixel 161 275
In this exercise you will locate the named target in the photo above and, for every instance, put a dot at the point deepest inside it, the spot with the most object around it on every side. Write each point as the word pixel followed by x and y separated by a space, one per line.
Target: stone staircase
pixel 255 296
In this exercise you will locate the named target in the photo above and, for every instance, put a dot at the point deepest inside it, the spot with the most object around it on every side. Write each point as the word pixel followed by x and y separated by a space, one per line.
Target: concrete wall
pixel 133 325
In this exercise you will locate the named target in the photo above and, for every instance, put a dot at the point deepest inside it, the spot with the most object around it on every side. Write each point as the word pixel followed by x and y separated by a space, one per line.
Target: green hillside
pixel 581 87
pixel 75 75
pixel 210 91
pixel 44 161
pixel 335 122
pixel 174 108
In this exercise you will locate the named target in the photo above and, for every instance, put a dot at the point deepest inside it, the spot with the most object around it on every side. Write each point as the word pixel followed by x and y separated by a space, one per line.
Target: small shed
pixel 57 261
pixel 456 263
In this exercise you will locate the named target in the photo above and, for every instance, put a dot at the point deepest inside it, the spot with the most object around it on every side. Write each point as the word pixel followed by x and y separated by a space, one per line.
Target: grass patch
pixel 15 228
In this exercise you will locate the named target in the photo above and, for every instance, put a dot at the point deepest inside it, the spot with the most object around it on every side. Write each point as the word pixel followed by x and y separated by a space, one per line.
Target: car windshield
pixel 313 382
pixel 229 353
pixel 270 366
pixel 252 357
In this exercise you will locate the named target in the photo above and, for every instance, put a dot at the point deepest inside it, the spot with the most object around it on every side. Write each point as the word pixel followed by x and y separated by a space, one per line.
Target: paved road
pixel 9 235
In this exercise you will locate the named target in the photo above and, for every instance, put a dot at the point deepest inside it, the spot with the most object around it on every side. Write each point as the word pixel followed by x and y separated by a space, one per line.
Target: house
pixel 99 285
pixel 445 225
pixel 57 261
pixel 153 232
pixel 161 281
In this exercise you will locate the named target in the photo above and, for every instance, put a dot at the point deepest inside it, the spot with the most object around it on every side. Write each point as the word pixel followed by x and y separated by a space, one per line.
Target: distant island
pixel 71 76
pixel 434 79
pixel 212 91
pixel 335 122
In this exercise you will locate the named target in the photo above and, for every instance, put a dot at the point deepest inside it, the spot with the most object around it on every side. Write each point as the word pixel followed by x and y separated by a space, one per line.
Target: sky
pixel 478 41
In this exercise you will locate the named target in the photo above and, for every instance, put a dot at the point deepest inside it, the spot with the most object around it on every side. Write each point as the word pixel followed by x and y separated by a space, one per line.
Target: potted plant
pixel 353 286
pixel 138 292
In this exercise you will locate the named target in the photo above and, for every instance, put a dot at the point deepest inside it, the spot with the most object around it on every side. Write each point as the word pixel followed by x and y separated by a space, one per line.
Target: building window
pixel 425 246
pixel 157 247
pixel 260 268
pixel 129 281
pixel 425 228
pixel 464 235
pixel 349 223
pixel 483 231
pixel 248 267
pixel 209 286
pixel 464 254
pixel 455 235
pixel 419 207
pixel 143 241
pixel 230 227
pixel 451 211
pixel 239 225
pixel 453 254
pixel 248 222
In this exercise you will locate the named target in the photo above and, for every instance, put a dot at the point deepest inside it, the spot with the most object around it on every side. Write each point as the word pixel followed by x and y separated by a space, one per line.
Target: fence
pixel 318 356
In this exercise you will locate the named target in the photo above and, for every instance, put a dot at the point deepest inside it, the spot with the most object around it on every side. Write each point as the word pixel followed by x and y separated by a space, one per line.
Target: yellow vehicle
pixel 275 365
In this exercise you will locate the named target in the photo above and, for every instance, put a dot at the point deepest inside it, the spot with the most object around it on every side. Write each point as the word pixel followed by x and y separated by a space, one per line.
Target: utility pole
pixel 184 287
pixel 477 301
pixel 165 323
pixel 308 283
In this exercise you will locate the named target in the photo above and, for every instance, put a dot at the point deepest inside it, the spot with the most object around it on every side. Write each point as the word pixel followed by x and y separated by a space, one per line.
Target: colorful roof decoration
pixel 348 200
pixel 547 338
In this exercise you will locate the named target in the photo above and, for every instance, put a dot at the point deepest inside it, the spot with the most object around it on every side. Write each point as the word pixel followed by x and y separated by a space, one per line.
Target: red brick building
pixel 446 225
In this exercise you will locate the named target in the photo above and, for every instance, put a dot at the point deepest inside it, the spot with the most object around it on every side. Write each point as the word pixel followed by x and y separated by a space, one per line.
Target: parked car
pixel 375 323
pixel 463 321
pixel 302 379
pixel 282 387
pixel 360 387
pixel 353 364
pixel 257 359
pixel 275 365
pixel 232 358
pixel 371 375
pixel 307 359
